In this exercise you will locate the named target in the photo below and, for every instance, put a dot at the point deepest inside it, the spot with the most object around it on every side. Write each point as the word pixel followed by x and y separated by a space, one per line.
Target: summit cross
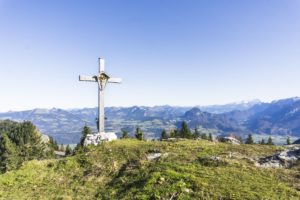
pixel 102 78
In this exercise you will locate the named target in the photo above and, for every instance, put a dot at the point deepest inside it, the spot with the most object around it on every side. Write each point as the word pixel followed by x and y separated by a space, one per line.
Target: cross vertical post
pixel 101 87
pixel 102 79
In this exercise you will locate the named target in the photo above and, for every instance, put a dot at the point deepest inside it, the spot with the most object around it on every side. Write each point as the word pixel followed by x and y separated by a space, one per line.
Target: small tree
pixel 172 134
pixel 53 144
pixel 263 142
pixel 85 131
pixel 164 134
pixel 176 133
pixel 61 148
pixel 239 138
pixel 124 134
pixel 270 141
pixel 204 136
pixel 196 133
pixel 139 134
pixel 185 131
pixel 288 141
pixel 68 150
pixel 249 140
pixel 210 137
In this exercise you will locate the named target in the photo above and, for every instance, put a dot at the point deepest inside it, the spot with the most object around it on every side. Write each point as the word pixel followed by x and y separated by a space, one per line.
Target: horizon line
pixel 151 106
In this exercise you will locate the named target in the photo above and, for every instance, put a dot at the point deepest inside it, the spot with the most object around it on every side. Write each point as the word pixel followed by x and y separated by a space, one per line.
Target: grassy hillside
pixel 186 170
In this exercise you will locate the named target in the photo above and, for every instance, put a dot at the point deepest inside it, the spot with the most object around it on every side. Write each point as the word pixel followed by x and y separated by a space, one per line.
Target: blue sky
pixel 194 52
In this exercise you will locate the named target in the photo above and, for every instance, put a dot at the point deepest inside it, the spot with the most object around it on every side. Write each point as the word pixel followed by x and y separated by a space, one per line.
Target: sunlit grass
pixel 121 170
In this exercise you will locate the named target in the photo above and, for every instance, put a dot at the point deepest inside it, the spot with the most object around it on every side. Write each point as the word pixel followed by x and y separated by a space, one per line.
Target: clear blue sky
pixel 188 52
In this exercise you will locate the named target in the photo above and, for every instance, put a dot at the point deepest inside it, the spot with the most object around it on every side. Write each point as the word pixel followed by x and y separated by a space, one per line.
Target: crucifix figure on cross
pixel 102 79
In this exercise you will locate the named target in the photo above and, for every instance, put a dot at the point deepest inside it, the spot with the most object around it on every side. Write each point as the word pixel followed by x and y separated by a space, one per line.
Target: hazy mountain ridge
pixel 241 106
pixel 278 117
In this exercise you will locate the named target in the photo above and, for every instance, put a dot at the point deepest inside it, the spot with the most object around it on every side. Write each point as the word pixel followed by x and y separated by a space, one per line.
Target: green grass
pixel 120 170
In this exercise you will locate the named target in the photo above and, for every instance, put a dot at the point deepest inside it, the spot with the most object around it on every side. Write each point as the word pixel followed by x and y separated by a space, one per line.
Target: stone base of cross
pixel 102 78
pixel 97 138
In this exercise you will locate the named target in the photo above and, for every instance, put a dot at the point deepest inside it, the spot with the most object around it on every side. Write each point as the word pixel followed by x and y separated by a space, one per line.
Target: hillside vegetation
pixel 123 169
pixel 20 142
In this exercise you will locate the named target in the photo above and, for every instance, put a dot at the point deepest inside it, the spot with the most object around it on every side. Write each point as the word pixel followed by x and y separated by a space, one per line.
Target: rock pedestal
pixel 98 138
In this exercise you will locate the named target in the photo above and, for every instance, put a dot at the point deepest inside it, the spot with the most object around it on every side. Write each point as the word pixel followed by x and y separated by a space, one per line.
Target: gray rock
pixel 284 159
pixel 155 156
pixel 228 139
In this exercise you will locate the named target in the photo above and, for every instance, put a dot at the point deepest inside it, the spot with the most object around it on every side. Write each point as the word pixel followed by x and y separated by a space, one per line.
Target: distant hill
pixel 277 118
pixel 297 142
pixel 195 118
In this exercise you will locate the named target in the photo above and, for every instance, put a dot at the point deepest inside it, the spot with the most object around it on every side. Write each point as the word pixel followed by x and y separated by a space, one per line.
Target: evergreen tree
pixel 20 142
pixel 62 148
pixel 139 134
pixel 124 134
pixel 68 150
pixel 210 137
pixel 176 133
pixel 185 131
pixel 85 131
pixel 249 140
pixel 288 141
pixel 53 143
pixel 262 142
pixel 8 154
pixel 196 133
pixel 80 146
pixel 164 134
pixel 204 136
pixel 239 138
pixel 172 134
pixel 270 141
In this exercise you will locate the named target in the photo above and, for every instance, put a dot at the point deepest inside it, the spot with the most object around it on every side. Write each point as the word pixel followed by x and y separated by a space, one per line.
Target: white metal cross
pixel 102 79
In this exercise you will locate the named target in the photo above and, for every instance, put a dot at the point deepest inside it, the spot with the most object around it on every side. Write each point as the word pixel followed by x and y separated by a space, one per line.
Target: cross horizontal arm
pixel 87 78
pixel 114 80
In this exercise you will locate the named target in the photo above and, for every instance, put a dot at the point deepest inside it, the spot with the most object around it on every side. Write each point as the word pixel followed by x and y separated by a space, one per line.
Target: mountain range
pixel 280 117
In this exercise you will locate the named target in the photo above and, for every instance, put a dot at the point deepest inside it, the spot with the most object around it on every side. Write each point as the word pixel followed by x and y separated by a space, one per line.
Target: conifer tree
pixel 139 134
pixel 270 141
pixel 85 131
pixel 68 150
pixel 196 133
pixel 185 131
pixel 20 142
pixel 210 137
pixel 249 140
pixel 263 142
pixel 288 141
pixel 176 133
pixel 172 134
pixel 8 154
pixel 239 138
pixel 53 143
pixel 62 148
pixel 204 136
pixel 124 134
pixel 164 135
